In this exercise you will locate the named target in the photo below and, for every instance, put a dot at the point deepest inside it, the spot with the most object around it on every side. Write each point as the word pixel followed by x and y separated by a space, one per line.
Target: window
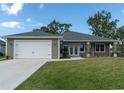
pixel 100 47
pixel 82 48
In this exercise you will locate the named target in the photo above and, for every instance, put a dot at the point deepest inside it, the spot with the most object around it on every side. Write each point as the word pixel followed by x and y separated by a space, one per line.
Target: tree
pixel 120 37
pixel 44 29
pixel 120 34
pixel 101 25
pixel 55 27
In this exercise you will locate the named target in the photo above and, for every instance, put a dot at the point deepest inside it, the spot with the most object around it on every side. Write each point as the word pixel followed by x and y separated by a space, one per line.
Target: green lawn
pixel 90 73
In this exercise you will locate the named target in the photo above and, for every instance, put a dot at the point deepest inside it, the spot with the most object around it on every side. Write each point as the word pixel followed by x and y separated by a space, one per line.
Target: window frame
pixel 80 47
pixel 100 48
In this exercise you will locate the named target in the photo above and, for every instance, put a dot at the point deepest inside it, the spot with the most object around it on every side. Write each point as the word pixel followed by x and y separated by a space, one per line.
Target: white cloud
pixel 13 9
pixel 12 24
pixel 41 6
pixel 28 20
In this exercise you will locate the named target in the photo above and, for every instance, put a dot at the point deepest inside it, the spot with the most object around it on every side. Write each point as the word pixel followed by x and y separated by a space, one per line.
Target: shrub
pixel 1 54
pixel 65 52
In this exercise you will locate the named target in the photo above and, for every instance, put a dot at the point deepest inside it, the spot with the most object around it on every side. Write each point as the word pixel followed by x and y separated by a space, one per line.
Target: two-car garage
pixel 36 44
pixel 32 49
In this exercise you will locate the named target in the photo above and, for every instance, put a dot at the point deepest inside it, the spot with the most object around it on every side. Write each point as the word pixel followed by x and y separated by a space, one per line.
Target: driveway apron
pixel 14 72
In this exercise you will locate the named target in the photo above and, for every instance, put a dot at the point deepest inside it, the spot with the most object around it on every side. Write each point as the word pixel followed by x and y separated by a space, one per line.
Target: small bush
pixel 7 57
pixel 65 53
pixel 1 54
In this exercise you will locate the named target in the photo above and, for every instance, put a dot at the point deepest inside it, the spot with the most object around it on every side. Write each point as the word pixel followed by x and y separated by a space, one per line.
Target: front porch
pixel 89 49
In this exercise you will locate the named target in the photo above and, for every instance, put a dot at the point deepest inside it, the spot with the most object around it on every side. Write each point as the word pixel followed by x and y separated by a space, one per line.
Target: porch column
pixel 58 48
pixel 115 49
pixel 88 49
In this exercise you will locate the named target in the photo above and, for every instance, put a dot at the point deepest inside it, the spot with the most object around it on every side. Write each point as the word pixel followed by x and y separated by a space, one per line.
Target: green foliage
pixel 101 24
pixel 121 48
pixel 55 27
pixel 120 37
pixel 120 34
pixel 2 54
pixel 65 53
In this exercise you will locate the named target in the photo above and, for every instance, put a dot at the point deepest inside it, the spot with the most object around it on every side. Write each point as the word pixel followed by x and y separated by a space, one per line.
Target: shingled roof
pixel 35 33
pixel 76 36
pixel 67 36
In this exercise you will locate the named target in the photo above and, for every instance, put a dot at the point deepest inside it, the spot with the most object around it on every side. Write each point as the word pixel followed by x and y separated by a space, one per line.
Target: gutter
pixel 90 40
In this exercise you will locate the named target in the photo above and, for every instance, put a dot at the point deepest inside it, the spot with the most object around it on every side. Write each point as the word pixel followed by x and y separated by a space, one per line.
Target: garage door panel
pixel 33 49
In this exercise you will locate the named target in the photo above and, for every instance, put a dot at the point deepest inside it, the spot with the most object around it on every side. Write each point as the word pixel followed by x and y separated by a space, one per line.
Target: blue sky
pixel 18 18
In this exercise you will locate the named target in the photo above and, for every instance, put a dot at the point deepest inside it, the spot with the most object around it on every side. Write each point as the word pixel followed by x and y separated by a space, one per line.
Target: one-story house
pixel 46 45
pixel 2 47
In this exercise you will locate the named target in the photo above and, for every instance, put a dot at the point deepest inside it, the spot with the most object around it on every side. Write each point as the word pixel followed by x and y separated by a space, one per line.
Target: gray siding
pixel 55 49
pixel 10 46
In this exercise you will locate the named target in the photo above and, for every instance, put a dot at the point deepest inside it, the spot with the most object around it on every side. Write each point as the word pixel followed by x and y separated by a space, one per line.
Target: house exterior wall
pixel 55 49
pixel 92 49
pixel 10 46
pixel 106 53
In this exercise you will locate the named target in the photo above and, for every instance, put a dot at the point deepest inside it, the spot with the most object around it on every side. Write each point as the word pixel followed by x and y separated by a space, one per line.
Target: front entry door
pixel 73 50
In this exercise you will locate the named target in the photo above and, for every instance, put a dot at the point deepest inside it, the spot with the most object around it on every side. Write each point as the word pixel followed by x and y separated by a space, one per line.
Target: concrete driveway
pixel 14 72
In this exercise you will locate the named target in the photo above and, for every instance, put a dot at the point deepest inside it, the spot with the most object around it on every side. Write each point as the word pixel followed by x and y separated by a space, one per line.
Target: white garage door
pixel 32 49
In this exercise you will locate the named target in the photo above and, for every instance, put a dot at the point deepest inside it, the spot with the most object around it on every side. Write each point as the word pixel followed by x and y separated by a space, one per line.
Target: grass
pixel 2 58
pixel 91 73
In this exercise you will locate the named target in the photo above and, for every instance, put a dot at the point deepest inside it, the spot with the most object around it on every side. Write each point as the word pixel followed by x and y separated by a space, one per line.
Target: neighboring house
pixel 2 47
pixel 45 45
